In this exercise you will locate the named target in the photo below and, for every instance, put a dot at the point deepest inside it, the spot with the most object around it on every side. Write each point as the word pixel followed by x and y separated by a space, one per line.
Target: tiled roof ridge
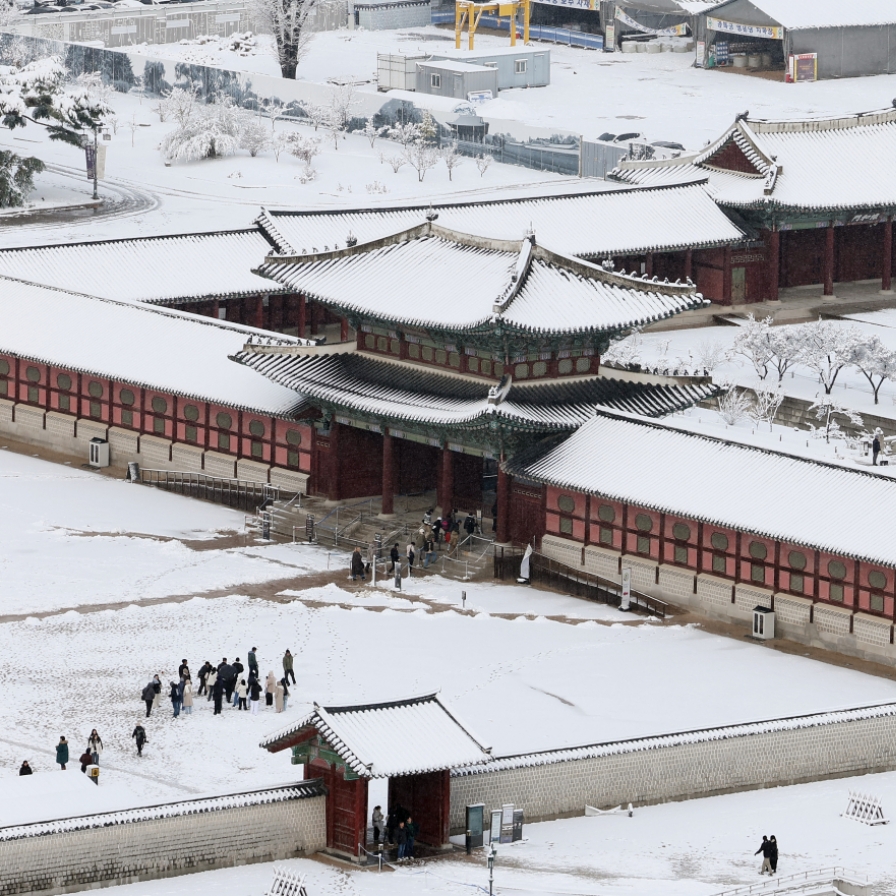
pixel 745 139
pixel 301 790
pixel 700 735
pixel 831 123
pixel 144 238
pixel 672 426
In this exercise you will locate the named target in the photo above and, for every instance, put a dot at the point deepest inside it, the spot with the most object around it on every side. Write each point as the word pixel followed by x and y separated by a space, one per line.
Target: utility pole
pixel 95 164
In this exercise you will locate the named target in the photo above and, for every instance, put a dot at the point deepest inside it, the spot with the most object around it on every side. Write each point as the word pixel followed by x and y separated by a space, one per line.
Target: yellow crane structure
pixel 468 12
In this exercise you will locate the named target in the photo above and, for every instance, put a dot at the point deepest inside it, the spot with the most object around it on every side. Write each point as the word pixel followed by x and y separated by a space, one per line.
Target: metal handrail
pixel 783 883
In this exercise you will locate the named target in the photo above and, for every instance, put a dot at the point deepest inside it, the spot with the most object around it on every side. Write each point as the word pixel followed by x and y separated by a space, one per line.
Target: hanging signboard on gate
pixel 772 32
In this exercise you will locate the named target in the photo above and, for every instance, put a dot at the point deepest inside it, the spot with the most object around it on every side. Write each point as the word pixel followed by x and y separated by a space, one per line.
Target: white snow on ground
pixel 693 848
pixel 72 537
pixel 216 51
pixel 576 681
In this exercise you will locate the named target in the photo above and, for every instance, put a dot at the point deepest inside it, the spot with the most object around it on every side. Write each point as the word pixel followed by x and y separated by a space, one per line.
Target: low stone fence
pixel 163 841
pixel 682 766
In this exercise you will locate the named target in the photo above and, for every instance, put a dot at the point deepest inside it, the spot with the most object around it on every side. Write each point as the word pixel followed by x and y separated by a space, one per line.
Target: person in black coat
pixel 393 556
pixel 766 849
pixel 773 857
pixel 26 769
pixel 357 566
pixel 203 677
pixel 875 448
pixel 140 736
pixel 218 691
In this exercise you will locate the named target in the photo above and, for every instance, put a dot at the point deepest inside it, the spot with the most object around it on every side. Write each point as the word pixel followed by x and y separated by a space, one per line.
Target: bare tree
pixel 342 105
pixel 765 405
pixel 825 410
pixel 876 363
pixel 274 110
pixel 826 348
pixel 421 156
pixel 711 353
pixel 302 147
pixel 452 159
pixel 317 115
pixel 752 343
pixel 482 163
pixel 179 105
pixel 287 20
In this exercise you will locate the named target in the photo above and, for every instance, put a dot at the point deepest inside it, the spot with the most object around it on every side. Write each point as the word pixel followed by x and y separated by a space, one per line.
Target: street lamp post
pixel 490 856
pixel 96 166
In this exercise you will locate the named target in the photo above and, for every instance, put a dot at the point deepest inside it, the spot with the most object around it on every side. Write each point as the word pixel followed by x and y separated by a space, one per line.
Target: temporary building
pixel 456 79
pixel 816 38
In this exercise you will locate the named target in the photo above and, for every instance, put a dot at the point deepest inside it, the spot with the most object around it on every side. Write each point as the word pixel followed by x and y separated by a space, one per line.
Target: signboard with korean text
pixel 645 29
pixel 772 32
pixel 610 37
pixel 804 67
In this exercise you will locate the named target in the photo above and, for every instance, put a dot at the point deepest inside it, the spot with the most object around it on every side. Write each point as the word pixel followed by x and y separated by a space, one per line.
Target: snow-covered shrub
pixel 734 405
pixel 766 403
pixel 254 137
pixel 876 362
pixel 213 130
pixel 826 347
pixel 827 410
pixel 302 147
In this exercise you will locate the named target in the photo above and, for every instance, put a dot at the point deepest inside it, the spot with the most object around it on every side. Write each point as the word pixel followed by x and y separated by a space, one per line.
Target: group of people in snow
pixel 398 830
pixel 90 756
pixel 424 543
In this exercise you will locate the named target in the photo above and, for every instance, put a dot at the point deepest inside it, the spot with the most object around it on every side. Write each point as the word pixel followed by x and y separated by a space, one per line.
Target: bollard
pixel 94 774
pixel 398 576
pixel 463 600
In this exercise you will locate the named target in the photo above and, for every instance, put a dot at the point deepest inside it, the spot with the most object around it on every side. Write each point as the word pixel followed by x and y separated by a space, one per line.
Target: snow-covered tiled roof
pixel 589 225
pixel 802 15
pixel 433 277
pixel 154 347
pixel 382 740
pixel 302 790
pixel 702 735
pixel 821 165
pixel 454 65
pixel 407 392
pixel 657 465
pixel 182 268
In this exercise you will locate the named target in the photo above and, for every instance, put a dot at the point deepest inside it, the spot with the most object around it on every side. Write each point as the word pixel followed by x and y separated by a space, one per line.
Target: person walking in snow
pixel 411 555
pixel 773 858
pixel 157 691
pixel 62 753
pixel 242 691
pixel 94 746
pixel 357 565
pixel 253 662
pixel 766 849
pixel 184 667
pixel 394 557
pixel 149 697
pixel 210 682
pixel 188 696
pixel 401 840
pixel 139 735
pixel 284 685
pixel 287 667
pixel 85 759
pixel 875 448
pixel 218 694
pixel 204 669
pixel 174 696
pixel 254 696
pixel 278 696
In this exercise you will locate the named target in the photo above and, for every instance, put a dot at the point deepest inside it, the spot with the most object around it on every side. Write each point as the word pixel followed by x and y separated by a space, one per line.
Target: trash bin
pixel 93 772
pixel 763 623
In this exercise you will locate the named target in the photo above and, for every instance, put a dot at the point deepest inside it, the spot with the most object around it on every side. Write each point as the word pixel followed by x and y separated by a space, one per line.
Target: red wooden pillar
pixel 726 275
pixel 886 281
pixel 829 260
pixel 215 308
pixel 504 482
pixel 388 475
pixel 302 315
pixel 648 265
pixel 689 264
pixel 343 330
pixel 447 491
pixel 773 265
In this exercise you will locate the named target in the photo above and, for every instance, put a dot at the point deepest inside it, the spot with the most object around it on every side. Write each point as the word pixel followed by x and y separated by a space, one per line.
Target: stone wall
pixel 682 766
pixel 162 841
pixel 71 436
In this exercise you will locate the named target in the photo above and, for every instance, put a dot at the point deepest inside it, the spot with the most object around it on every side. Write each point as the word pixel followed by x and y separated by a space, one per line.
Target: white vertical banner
pixel 625 603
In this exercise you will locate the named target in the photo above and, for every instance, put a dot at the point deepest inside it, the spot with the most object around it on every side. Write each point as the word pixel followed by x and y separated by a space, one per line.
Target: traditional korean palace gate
pixel 414 743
